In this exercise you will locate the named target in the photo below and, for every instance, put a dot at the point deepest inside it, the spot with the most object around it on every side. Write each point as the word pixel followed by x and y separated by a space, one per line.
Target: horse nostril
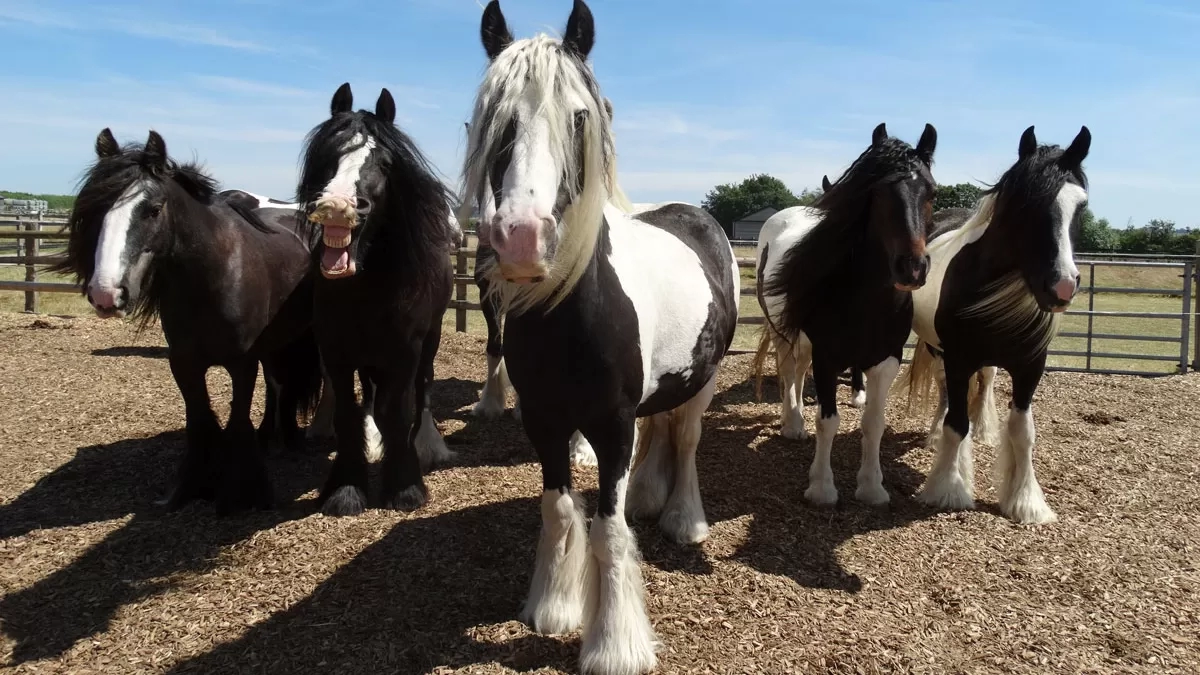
pixel 363 205
pixel 122 294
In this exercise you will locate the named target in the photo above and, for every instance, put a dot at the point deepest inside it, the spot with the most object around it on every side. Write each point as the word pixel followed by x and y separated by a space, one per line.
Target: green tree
pixel 731 201
pixel 53 201
pixel 1096 235
pixel 959 195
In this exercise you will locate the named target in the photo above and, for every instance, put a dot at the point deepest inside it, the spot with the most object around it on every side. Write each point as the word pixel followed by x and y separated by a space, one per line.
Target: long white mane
pixel 539 68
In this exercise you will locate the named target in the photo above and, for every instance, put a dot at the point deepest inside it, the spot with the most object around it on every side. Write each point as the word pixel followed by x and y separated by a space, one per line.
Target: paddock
pixel 96 578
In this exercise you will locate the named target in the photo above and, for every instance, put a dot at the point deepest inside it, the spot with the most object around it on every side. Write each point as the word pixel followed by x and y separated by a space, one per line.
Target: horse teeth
pixel 340 242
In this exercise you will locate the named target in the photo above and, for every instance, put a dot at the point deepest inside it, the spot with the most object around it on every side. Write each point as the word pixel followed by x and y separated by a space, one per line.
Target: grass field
pixel 71 304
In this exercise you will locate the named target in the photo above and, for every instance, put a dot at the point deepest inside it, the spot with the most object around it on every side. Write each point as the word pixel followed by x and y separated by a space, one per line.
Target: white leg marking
pixel 985 424
pixel 939 416
pixel 495 387
pixel 617 636
pixel 582 453
pixel 683 519
pixel 792 392
pixel 431 447
pixel 654 476
pixel 859 399
pixel 555 602
pixel 321 425
pixel 945 487
pixel 870 475
pixel 1021 498
pixel 821 490
pixel 374 439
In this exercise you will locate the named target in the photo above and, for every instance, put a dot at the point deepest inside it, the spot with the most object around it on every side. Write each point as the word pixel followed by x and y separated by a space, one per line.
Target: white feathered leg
pixel 555 601
pixel 683 519
pixel 870 475
pixel 1021 498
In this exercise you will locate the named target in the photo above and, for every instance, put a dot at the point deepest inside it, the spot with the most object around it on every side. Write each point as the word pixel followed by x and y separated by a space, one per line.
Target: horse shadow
pixel 140 351
pixel 432 593
pixel 142 557
pixel 479 442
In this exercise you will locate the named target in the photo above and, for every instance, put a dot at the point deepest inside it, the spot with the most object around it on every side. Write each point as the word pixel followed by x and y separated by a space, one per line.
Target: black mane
pixel 416 225
pixel 832 247
pixel 1033 180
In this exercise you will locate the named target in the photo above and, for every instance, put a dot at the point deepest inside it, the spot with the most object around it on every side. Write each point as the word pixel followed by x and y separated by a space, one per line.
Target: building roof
pixel 759 216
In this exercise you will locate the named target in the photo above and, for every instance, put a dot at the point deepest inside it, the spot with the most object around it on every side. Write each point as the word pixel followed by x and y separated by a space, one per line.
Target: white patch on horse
pixel 114 234
pixel 1069 198
pixel 430 446
pixel 582 453
pixel 555 601
pixel 941 252
pixel 870 475
pixel 821 490
pixel 1020 496
pixel 946 486
pixel 665 280
pixel 350 165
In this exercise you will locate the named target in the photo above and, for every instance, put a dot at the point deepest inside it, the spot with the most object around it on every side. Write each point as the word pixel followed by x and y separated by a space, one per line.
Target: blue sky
pixel 705 92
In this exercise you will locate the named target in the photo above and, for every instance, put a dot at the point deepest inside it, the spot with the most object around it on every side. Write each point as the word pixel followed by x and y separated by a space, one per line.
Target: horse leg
pixel 268 430
pixel 582 453
pixel 495 388
pixel 791 422
pixel 985 423
pixel 403 485
pixel 374 441
pixel 321 426
pixel 858 393
pixel 617 635
pixel 555 601
pixel 196 478
pixel 1021 498
pixel 683 519
pixel 654 471
pixel 870 475
pixel 244 483
pixel 345 491
pixel 821 490
pixel 431 447
pixel 951 483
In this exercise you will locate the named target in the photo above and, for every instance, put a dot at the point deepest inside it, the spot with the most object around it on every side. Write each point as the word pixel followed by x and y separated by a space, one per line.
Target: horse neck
pixel 194 240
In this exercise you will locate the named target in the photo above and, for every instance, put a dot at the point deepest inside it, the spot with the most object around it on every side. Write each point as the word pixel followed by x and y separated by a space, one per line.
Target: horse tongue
pixel 335 259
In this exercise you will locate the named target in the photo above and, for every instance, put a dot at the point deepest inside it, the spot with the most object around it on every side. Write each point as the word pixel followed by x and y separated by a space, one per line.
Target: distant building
pixel 748 226
pixel 23 206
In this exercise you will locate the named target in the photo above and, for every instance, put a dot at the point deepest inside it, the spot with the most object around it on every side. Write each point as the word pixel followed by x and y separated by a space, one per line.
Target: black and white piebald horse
pixel 835 282
pixel 608 318
pixel 384 285
pixel 999 279
pixel 227 275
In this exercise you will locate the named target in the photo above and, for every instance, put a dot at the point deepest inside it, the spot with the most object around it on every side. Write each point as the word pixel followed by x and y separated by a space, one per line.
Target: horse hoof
pixel 409 499
pixel 345 501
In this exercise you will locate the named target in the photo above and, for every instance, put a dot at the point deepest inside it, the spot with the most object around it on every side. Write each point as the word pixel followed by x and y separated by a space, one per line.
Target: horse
pixel 609 319
pixel 999 281
pixel 227 277
pixel 384 286
pixel 836 283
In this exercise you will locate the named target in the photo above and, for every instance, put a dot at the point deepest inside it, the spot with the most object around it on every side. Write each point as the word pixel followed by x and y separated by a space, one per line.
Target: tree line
pixel 731 201
pixel 56 202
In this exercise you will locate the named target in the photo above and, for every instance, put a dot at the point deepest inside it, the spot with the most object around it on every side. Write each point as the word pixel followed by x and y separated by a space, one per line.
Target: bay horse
pixel 228 279
pixel 835 282
pixel 608 318
pixel 999 280
pixel 384 285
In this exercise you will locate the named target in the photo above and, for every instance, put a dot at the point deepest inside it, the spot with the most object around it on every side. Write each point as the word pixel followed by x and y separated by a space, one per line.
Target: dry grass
pixel 95 578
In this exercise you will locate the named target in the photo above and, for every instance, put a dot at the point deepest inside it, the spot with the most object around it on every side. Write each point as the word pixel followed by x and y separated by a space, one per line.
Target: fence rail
pixel 29 235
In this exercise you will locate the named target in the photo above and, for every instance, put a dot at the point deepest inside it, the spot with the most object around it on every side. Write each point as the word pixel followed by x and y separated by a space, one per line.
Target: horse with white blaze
pixel 1000 278
pixel 384 285
pixel 608 318
pixel 227 275
pixel 835 282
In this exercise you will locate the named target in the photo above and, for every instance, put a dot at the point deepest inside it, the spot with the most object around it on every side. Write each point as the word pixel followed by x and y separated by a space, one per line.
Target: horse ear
pixel 343 100
pixel 1028 144
pixel 581 30
pixel 825 184
pixel 385 107
pixel 1078 150
pixel 106 144
pixel 494 30
pixel 879 135
pixel 156 149
pixel 927 144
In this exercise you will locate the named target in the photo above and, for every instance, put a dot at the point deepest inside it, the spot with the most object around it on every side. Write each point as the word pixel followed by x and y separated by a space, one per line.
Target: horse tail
pixel 760 357
pixel 919 379
pixel 299 372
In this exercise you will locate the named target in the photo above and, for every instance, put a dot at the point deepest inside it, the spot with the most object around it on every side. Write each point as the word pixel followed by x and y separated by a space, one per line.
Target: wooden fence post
pixel 460 289
pixel 31 254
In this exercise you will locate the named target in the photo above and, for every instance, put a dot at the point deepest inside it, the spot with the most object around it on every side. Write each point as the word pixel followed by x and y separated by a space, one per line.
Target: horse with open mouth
pixel 1000 278
pixel 835 282
pixel 608 318
pixel 228 278
pixel 384 286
